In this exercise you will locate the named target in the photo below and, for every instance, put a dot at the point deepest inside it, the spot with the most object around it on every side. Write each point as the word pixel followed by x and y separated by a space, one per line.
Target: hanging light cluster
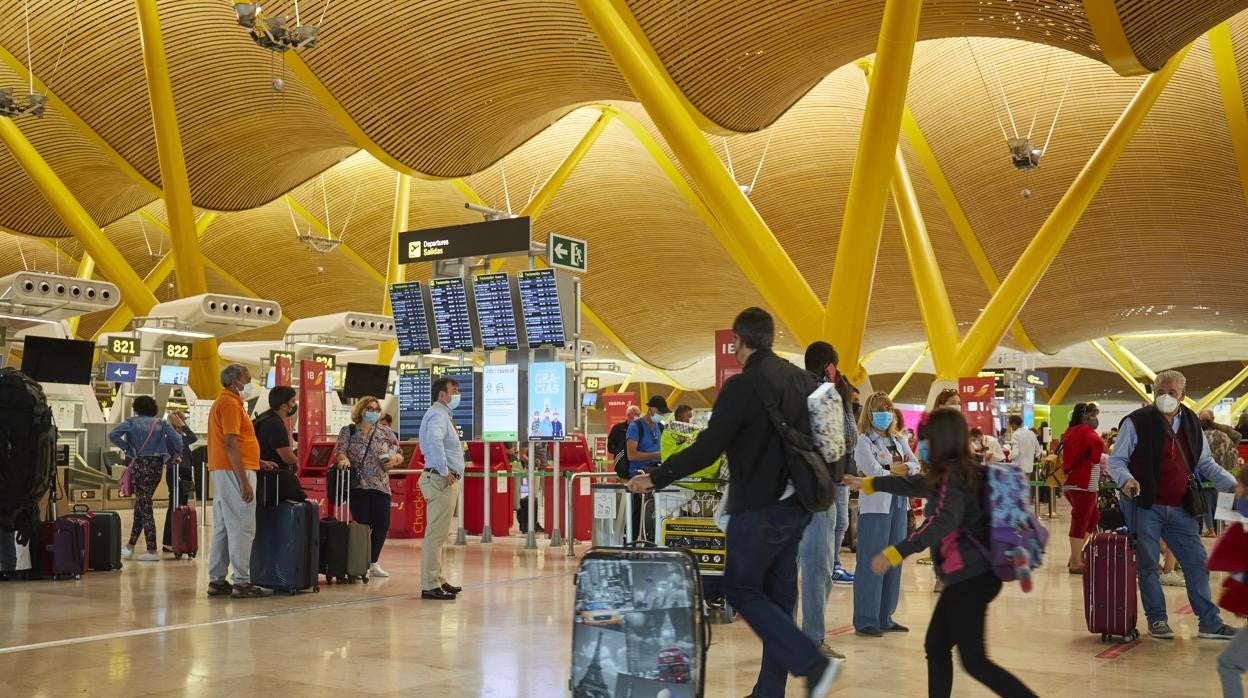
pixel 11 106
pixel 278 34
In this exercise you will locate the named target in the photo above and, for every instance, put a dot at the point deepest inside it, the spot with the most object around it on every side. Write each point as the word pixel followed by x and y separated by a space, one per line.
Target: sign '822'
pixel 178 351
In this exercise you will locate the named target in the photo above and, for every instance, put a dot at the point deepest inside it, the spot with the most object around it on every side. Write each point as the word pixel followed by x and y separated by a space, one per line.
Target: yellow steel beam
pixel 1240 405
pixel 935 311
pixel 905 377
pixel 627 381
pixel 1227 72
pixel 1208 401
pixel 1129 360
pixel 1122 371
pixel 752 245
pixel 395 272
pixel 1064 387
pixel 79 125
pixel 671 399
pixel 343 247
pixel 849 293
pixel 1106 25
pixel 961 224
pixel 1007 302
pixel 134 294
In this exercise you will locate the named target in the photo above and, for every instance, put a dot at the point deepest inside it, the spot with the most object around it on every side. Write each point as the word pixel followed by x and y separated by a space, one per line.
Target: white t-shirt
pixel 1023 448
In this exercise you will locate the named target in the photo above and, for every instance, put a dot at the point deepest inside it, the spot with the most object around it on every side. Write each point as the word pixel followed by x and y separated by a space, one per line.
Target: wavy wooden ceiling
pixel 481 89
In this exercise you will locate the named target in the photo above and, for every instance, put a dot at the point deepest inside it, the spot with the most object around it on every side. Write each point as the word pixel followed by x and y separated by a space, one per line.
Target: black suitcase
pixel 285 555
pixel 104 529
pixel 346 546
pixel 639 612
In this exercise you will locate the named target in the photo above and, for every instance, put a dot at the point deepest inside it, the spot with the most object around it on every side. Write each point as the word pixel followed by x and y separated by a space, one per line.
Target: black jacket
pixel 1150 433
pixel 739 427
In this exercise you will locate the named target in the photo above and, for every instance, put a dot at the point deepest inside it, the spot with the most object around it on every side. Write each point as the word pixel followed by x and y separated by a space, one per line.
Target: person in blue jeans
pixel 819 555
pixel 766 517
pixel 1158 447
pixel 882 517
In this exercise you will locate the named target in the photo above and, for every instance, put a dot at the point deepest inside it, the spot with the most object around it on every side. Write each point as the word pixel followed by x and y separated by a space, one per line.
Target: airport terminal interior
pixel 562 206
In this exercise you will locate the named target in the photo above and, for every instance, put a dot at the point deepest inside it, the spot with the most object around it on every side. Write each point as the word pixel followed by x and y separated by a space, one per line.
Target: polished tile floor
pixel 149 629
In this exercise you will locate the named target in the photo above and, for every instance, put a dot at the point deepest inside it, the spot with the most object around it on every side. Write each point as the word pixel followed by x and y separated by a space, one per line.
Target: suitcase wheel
pixel 1104 637
pixel 316 590
pixel 364 579
pixel 292 592
pixel 177 556
pixel 1131 636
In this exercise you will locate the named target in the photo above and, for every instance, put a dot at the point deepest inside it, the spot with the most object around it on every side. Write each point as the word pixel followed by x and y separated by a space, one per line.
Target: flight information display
pixel 411 323
pixel 462 416
pixel 450 315
pixel 496 311
pixel 539 303
pixel 414 399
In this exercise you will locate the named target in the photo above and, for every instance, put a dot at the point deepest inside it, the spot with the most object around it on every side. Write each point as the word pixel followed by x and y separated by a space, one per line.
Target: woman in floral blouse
pixel 370 450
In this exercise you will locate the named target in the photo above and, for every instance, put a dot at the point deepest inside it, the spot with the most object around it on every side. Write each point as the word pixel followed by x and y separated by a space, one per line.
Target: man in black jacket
pixel 767 520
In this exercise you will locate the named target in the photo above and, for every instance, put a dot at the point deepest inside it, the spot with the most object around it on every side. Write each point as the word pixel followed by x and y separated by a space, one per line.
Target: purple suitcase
pixel 1109 587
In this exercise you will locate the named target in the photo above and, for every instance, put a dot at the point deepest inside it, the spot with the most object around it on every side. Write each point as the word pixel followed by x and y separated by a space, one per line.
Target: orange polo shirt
pixel 228 416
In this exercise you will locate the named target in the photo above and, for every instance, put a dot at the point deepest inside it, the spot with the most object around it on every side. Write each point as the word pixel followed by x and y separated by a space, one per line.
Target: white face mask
pixel 246 391
pixel 1167 404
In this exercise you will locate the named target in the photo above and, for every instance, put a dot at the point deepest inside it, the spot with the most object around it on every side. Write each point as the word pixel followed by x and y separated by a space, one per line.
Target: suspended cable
pixel 762 158
pixel 293 221
pixel 60 51
pixel 728 156
pixel 298 21
pixel 502 168
pixel 1044 81
pixel 1058 111
pixel 987 92
pixel 329 231
pixel 143 229
pixel 320 23
pixel 342 234
pixel 22 253
pixel 30 64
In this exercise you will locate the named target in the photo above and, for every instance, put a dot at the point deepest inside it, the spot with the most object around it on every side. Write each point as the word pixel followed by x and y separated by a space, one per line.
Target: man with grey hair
pixel 233 461
pixel 1159 446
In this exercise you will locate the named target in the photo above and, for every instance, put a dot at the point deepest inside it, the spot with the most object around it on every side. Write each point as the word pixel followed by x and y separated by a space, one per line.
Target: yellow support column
pixel 134 294
pixel 1208 401
pixel 905 377
pixel 1064 387
pixel 753 246
pixel 1129 359
pixel 849 294
pixel 396 273
pixel 1227 72
pixel 1240 405
pixel 929 285
pixel 1007 302
pixel 547 193
pixel 1122 371
pixel 628 380
pixel 671 399
pixel 205 364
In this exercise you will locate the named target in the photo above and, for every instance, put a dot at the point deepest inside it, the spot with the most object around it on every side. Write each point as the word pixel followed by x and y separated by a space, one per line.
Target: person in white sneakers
pixel 370 449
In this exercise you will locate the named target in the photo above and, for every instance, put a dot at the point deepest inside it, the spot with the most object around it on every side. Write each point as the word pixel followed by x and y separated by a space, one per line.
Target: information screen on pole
pixel 500 402
pixel 411 322
pixel 414 399
pixel 548 398
pixel 450 315
pixel 539 304
pixel 496 311
pixel 462 416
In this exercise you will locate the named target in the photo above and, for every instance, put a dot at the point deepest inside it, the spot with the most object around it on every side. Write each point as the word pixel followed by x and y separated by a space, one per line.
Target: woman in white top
pixel 880 452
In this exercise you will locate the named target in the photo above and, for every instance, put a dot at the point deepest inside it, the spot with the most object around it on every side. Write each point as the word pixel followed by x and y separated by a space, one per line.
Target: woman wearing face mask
pixel 1081 450
pixel 370 450
pixel 147 441
pixel 881 517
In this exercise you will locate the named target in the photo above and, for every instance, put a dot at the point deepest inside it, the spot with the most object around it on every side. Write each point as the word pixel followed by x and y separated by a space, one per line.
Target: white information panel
pixel 500 402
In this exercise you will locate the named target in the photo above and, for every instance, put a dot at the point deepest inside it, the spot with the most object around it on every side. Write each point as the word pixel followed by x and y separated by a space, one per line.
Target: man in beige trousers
pixel 439 484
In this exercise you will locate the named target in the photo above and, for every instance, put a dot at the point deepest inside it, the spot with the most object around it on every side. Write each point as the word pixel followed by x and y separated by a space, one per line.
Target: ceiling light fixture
pixel 175 332
pixel 320 345
pixel 278 34
pixel 28 318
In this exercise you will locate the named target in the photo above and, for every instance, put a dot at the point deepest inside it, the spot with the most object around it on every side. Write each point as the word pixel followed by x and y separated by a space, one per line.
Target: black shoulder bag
pixel 811 475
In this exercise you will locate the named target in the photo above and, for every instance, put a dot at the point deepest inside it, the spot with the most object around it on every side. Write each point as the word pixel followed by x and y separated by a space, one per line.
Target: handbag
pixel 1193 499
pixel 1054 474
pixel 125 484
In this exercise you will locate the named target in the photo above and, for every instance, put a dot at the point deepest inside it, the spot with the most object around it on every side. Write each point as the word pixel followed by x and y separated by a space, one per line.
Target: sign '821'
pixel 120 345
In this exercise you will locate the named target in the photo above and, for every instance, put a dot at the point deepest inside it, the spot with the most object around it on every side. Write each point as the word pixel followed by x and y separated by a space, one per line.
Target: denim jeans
pixel 1180 531
pixel 1232 664
pixel 841 511
pixel 818 555
pixel 875 596
pixel 761 583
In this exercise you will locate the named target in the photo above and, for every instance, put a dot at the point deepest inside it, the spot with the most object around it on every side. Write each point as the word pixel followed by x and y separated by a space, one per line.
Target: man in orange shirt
pixel 233 460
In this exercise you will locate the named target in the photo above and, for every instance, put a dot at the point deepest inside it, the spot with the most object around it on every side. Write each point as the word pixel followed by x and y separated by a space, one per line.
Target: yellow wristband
pixel 867 486
pixel 893 556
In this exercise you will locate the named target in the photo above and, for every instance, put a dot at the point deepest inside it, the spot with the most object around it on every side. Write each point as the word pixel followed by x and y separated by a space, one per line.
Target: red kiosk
pixel 501 514
pixel 407 504
pixel 574 457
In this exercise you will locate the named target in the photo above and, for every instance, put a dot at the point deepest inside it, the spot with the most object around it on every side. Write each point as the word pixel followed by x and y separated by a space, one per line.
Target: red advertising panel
pixel 311 403
pixel 978 402
pixel 281 373
pixel 726 365
pixel 615 405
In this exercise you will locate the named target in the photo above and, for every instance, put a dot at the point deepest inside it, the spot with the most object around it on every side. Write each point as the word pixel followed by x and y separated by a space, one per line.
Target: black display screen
pixel 539 303
pixel 48 360
pixel 414 399
pixel 496 311
pixel 462 416
pixel 366 380
pixel 411 323
pixel 450 315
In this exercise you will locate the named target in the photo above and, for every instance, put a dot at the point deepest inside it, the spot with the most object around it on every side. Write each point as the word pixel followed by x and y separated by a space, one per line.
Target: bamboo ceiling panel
pixel 449 86
pixel 1157 29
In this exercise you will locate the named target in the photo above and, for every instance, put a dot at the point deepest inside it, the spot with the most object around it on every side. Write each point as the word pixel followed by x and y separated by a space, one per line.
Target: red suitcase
pixel 64 548
pixel 1109 587
pixel 184 527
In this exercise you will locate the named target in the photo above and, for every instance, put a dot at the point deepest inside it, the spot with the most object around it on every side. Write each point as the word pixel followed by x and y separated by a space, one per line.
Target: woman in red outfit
pixel 1081 461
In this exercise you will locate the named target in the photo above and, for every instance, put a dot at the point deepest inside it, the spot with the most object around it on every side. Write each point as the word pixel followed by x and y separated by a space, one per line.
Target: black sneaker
pixel 250 591
pixel 451 588
pixel 437 595
pixel 869 632
pixel 897 628
pixel 220 588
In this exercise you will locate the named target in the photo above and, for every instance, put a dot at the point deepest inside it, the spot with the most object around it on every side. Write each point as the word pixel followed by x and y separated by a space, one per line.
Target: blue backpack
pixel 1016 538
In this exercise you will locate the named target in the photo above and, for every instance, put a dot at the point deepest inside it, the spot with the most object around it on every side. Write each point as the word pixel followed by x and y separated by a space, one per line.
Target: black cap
pixel 658 403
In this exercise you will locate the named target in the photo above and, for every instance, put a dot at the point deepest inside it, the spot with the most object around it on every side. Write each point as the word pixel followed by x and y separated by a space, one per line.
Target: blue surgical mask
pixel 882 420
pixel 656 418
pixel 454 404
pixel 923 451
pixel 371 416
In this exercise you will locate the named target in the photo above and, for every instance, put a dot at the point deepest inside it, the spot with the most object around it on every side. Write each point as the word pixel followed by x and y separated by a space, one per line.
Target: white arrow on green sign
pixel 567 253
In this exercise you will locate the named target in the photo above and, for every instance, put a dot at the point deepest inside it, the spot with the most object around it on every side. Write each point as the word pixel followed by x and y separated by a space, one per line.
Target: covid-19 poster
pixel 548 398
pixel 500 402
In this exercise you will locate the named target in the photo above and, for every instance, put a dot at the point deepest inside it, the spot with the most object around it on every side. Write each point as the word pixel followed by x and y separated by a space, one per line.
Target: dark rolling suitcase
pixel 104 528
pixel 1109 586
pixel 64 548
pixel 183 525
pixel 639 614
pixel 346 546
pixel 286 553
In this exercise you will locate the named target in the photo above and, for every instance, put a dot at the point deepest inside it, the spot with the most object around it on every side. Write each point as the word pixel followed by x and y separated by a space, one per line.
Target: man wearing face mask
pixel 276 446
pixel 233 460
pixel 643 444
pixel 444 467
pixel 1158 448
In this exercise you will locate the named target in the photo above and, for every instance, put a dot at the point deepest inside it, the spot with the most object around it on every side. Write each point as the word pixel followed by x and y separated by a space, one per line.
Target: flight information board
pixel 496 311
pixel 462 416
pixel 411 323
pixel 450 315
pixel 414 399
pixel 539 303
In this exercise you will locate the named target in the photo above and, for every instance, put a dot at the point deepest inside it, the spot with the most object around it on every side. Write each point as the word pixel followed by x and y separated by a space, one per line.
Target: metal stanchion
pixel 530 538
pixel 556 539
pixel 461 535
pixel 203 499
pixel 487 536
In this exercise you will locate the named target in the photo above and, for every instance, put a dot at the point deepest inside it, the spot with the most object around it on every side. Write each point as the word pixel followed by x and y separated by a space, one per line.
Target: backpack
pixel 814 478
pixel 827 421
pixel 27 452
pixel 1016 538
pixel 623 468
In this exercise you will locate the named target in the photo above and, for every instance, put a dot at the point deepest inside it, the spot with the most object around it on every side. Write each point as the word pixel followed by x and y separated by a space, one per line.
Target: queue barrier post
pixel 487 536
